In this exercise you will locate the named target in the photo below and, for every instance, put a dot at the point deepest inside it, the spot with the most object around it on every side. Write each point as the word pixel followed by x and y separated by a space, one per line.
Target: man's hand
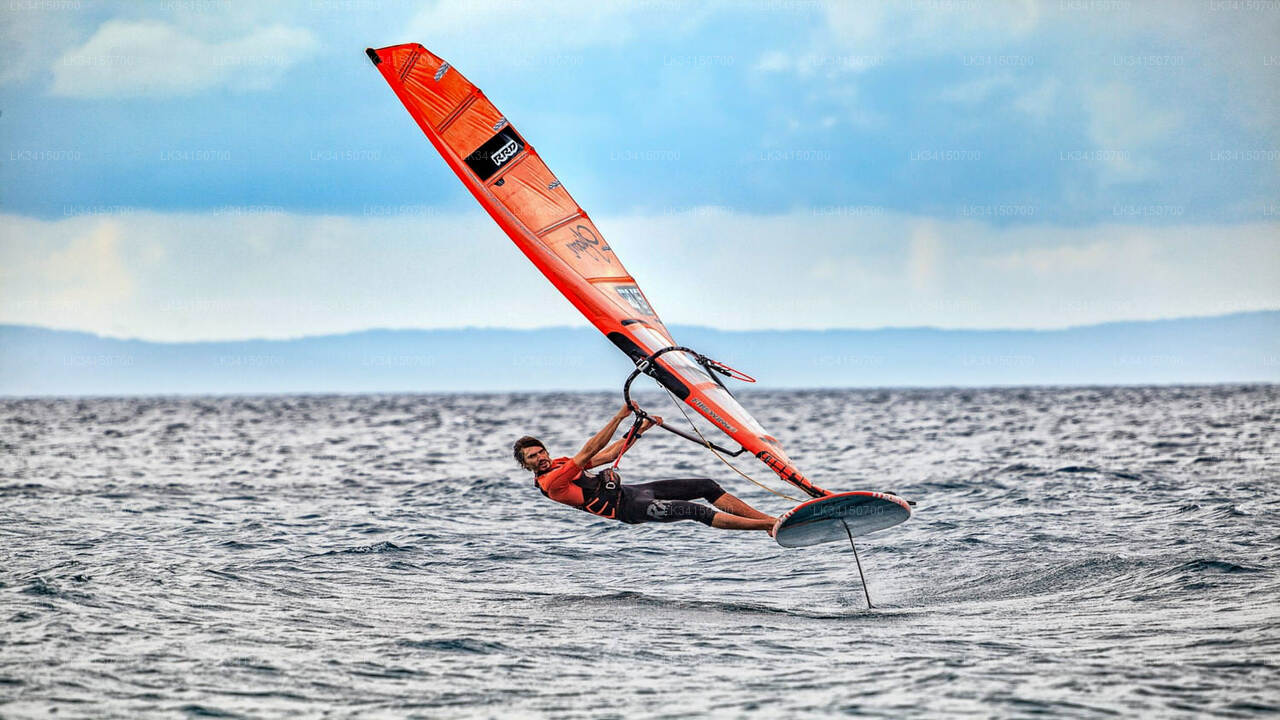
pixel 611 453
pixel 588 452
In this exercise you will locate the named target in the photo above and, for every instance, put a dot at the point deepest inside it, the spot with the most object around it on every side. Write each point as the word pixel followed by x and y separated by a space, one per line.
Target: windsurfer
pixel 565 480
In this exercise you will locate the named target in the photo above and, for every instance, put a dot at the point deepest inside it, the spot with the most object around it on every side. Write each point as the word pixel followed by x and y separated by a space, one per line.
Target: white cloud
pixel 229 275
pixel 211 276
pixel 1126 272
pixel 28 36
pixel 489 29
pixel 90 266
pixel 1141 76
pixel 1116 255
pixel 1228 47
pixel 925 261
pixel 1039 101
pixel 903 30
pixel 774 61
pixel 1127 128
pixel 151 58
pixel 976 91
pixel 64 271
pixel 829 65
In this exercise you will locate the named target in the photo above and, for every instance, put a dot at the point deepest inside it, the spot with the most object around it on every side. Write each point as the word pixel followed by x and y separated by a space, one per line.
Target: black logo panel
pixel 494 153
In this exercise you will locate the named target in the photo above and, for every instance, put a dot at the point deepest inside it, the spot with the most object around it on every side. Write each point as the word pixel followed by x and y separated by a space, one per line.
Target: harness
pixel 605 493
pixel 601 493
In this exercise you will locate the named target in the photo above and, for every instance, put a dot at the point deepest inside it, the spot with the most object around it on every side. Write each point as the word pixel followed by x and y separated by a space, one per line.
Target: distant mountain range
pixel 1238 348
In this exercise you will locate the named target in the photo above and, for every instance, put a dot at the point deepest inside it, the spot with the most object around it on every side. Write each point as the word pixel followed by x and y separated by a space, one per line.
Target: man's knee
pixel 711 490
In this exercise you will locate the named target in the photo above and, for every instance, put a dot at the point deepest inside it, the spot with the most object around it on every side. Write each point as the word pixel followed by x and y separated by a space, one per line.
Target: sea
pixel 1074 552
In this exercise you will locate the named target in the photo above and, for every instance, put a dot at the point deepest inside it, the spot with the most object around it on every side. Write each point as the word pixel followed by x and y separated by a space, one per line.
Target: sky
pixel 199 169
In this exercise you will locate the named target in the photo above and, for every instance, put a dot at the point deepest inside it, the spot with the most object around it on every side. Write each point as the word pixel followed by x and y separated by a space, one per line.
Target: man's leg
pixel 735 522
pixel 733 505
pixel 649 510
pixel 705 488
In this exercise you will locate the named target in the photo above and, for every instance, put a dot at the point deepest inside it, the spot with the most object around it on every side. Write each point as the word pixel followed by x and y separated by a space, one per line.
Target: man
pixel 565 480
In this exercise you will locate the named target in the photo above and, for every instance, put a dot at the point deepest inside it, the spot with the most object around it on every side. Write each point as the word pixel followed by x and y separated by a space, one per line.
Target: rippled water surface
pixel 1075 552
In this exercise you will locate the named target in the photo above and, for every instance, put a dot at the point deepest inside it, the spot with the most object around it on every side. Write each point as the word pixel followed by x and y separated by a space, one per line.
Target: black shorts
pixel 668 501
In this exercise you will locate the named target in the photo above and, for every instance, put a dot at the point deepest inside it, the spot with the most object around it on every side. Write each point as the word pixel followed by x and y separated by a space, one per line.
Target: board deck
pixel 825 519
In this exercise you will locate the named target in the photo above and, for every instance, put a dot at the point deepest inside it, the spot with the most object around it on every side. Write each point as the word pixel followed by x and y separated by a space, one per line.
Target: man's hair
pixel 521 444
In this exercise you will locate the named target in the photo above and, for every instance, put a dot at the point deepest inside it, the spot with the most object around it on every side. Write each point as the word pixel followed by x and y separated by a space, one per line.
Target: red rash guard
pixel 558 482
pixel 566 483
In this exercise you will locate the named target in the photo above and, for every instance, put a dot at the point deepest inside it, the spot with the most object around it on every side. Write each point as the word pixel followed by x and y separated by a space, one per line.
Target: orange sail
pixel 506 174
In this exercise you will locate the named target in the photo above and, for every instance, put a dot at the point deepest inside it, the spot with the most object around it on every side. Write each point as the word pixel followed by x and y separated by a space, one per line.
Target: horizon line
pixel 585 326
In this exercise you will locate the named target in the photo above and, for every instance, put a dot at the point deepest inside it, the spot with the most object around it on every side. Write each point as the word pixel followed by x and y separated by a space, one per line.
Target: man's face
pixel 536 458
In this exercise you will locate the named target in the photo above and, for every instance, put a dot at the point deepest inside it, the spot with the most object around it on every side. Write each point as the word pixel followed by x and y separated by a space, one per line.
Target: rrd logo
pixel 506 152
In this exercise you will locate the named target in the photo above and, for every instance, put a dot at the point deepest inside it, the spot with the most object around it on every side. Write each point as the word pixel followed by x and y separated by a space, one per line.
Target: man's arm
pixel 599 440
pixel 609 454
